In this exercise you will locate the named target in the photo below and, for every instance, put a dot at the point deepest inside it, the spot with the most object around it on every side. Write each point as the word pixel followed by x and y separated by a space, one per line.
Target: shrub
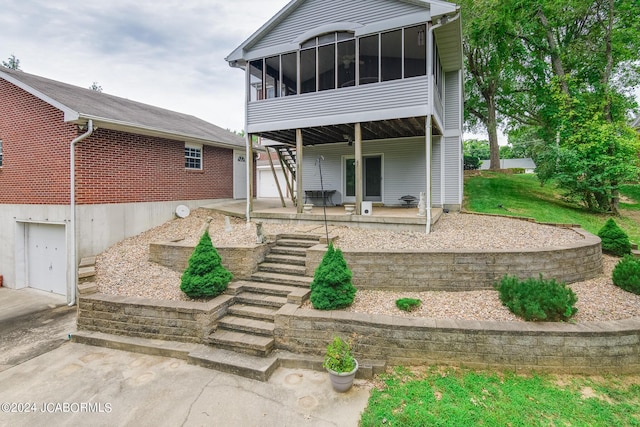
pixel 471 163
pixel 537 299
pixel 614 240
pixel 408 304
pixel 331 287
pixel 626 274
pixel 205 277
pixel 338 357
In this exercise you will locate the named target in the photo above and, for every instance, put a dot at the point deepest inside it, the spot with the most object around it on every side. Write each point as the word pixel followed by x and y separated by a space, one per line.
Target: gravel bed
pixel 124 269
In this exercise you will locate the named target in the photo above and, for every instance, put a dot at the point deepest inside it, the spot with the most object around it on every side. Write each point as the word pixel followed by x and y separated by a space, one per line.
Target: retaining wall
pixel 466 270
pixel 588 348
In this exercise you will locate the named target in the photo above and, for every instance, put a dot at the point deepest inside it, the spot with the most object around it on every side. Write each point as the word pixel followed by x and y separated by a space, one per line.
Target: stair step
pixel 298 243
pixel 231 362
pixel 244 324
pixel 253 298
pixel 265 288
pixel 253 311
pixel 285 259
pixel 283 279
pixel 289 250
pixel 635 253
pixel 296 270
pixel 241 342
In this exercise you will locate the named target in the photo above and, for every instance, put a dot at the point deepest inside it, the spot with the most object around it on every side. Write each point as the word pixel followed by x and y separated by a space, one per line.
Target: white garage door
pixel 46 258
pixel 267 183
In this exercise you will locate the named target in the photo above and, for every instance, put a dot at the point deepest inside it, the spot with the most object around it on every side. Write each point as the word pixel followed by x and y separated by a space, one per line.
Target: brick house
pixel 81 170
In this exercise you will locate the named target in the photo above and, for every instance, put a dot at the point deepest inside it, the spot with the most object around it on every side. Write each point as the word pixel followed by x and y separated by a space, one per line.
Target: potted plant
pixel 340 364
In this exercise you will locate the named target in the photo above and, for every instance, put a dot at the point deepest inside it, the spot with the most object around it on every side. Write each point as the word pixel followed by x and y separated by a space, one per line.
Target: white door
pixel 239 175
pixel 46 258
pixel 267 184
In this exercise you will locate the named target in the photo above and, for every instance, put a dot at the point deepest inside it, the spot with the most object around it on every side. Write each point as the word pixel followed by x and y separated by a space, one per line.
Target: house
pixel 81 170
pixel 527 164
pixel 371 91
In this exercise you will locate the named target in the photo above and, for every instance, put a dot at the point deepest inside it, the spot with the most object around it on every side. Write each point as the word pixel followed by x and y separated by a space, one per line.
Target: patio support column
pixel 428 142
pixel 250 175
pixel 299 190
pixel 358 148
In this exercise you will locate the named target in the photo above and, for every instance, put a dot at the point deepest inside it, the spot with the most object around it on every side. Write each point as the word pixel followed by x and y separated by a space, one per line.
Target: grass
pixel 459 397
pixel 522 195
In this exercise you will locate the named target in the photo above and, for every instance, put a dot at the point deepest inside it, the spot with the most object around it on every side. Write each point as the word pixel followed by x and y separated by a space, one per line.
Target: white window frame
pixel 195 158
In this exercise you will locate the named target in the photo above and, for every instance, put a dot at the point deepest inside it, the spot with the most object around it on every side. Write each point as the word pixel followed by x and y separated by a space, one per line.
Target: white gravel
pixel 124 269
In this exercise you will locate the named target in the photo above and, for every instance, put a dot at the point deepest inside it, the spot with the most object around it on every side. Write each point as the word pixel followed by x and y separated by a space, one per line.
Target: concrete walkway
pixel 15 303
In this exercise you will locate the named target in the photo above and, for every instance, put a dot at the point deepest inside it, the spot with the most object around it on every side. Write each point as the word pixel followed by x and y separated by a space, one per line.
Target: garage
pixel 46 258
pixel 267 183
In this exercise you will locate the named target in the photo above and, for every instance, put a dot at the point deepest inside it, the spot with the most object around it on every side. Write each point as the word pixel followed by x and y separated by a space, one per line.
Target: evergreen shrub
pixel 331 287
pixel 626 274
pixel 614 240
pixel 205 277
pixel 537 299
pixel 408 304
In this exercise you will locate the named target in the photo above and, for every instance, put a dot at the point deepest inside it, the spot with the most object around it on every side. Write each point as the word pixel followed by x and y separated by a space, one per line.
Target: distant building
pixel 527 164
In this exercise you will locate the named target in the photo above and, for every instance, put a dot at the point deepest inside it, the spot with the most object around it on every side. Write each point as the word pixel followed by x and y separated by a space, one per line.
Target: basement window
pixel 0 153
pixel 193 156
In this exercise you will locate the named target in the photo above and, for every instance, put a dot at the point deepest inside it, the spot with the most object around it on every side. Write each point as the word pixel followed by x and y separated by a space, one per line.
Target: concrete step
pixel 296 270
pixel 245 324
pixel 635 253
pixel 263 300
pixel 289 250
pixel 253 311
pixel 291 236
pixel 241 342
pixel 245 365
pixel 286 259
pixel 298 243
pixel 282 279
pixel 261 287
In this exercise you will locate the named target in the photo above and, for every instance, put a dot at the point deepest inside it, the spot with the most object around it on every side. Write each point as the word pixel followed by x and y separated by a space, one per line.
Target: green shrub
pixel 614 240
pixel 471 163
pixel 331 287
pixel 205 277
pixel 626 274
pixel 408 304
pixel 537 299
pixel 338 357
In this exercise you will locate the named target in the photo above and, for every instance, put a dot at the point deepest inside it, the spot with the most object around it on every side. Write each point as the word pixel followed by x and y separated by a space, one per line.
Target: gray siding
pixel 403 167
pixel 453 110
pixel 381 101
pixel 314 13
pixel 436 171
pixel 453 170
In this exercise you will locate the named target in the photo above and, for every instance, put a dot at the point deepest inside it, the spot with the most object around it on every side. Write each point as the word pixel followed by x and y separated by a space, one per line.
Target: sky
pixel 167 53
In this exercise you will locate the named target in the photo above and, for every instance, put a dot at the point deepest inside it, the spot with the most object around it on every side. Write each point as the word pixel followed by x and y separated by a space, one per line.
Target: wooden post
pixel 299 190
pixel 250 163
pixel 359 185
pixel 275 176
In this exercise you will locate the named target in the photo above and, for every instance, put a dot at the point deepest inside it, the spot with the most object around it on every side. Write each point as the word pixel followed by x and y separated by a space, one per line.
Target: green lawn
pixel 522 195
pixel 458 397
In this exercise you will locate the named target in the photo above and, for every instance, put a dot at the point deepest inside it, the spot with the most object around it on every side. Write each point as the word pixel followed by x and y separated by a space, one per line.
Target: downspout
pixel 443 21
pixel 74 248
pixel 248 142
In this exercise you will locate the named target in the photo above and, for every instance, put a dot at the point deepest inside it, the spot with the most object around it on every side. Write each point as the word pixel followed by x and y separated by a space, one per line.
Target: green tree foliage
pixel 626 274
pixel 331 288
pixel 537 299
pixel 95 86
pixel 205 277
pixel 476 148
pixel 614 240
pixel 12 62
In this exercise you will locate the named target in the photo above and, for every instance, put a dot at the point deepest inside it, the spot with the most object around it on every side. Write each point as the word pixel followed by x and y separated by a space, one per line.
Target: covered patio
pixel 271 210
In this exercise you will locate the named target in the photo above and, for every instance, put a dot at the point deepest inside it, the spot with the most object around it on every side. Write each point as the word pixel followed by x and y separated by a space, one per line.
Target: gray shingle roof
pixel 90 104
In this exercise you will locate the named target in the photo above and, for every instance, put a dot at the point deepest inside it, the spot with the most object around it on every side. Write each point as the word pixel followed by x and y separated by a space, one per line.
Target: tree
pixel 95 86
pixel 331 288
pixel 205 277
pixel 12 62
pixel 476 148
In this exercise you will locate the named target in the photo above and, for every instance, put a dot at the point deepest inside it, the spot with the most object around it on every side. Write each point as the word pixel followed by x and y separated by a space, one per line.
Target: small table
pixel 326 196
pixel 409 200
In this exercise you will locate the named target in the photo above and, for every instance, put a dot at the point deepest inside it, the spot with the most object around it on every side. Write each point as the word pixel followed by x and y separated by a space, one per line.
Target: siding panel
pixel 453 111
pixel 453 170
pixel 314 13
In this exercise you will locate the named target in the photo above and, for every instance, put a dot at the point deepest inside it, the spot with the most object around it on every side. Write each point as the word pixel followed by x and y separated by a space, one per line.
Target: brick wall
pixel 111 166
pixel 35 145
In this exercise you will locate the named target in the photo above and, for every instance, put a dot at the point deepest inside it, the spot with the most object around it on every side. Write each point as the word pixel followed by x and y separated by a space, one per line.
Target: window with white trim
pixel 193 156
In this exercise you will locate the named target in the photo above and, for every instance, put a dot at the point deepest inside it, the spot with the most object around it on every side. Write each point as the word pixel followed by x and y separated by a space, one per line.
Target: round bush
pixel 331 288
pixel 626 274
pixel 205 277
pixel 614 240
pixel 408 304
pixel 537 299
